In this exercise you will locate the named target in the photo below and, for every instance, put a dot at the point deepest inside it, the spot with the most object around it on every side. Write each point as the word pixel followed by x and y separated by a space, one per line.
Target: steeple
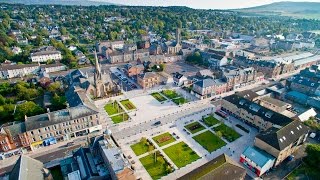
pixel 178 34
pixel 97 71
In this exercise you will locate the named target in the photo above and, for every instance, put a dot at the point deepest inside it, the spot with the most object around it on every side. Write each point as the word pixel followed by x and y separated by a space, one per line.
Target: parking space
pixel 127 83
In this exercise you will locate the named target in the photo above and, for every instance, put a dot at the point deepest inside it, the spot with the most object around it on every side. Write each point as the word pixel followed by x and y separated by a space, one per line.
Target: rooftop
pixel 258 156
pixel 274 101
pixel 256 109
pixel 222 167
pixel 282 138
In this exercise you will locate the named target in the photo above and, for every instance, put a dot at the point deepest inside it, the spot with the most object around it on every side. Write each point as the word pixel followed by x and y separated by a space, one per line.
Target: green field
pixel 181 154
pixel 157 167
pixel 179 101
pixel 143 146
pixel 158 97
pixel 113 108
pixel 119 118
pixel 194 127
pixel 164 139
pixel 209 141
pixel 228 133
pixel 127 104
pixel 171 94
pixel 210 121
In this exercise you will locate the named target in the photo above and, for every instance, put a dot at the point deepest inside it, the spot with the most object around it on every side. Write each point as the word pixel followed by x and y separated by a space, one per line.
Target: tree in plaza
pixel 219 134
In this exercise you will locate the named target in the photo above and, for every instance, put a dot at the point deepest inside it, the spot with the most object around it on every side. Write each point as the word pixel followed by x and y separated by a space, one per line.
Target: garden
pixel 194 127
pixel 120 118
pixel 164 139
pixel 209 141
pixel 226 132
pixel 128 104
pixel 181 154
pixel 113 108
pixel 179 101
pixel 158 97
pixel 171 94
pixel 143 146
pixel 210 121
pixel 156 165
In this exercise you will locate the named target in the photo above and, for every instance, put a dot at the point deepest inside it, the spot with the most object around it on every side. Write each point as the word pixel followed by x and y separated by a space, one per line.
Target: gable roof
pixel 222 167
pixel 255 109
pixel 27 168
pixel 258 156
pixel 282 138
pixel 177 75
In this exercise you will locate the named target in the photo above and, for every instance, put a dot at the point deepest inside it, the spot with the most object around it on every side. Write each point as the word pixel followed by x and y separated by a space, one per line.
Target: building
pixel 207 88
pixel 148 80
pixel 127 56
pixel 273 104
pixel 257 160
pixel 179 79
pixel 304 116
pixel 97 86
pixel 13 136
pixel 216 61
pixel 282 142
pixel 239 77
pixel 175 46
pixel 49 68
pixel 44 56
pixel 113 45
pixel 13 71
pixel 252 113
pixel 28 168
pixel 205 73
pixel 219 168
pixel 133 70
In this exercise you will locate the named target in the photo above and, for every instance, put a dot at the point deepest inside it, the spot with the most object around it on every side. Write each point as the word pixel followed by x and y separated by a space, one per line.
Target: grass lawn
pixel 164 139
pixel 113 108
pixel 156 169
pixel 180 100
pixel 158 97
pixel 302 171
pixel 194 127
pixel 209 141
pixel 181 154
pixel 210 121
pixel 228 133
pixel 141 147
pixel 119 118
pixel 127 104
pixel 171 94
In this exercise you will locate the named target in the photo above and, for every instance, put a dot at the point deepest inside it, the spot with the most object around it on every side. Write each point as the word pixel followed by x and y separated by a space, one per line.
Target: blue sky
pixel 200 4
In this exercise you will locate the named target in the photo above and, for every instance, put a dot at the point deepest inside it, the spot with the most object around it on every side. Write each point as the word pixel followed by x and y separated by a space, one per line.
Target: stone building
pixel 148 80
pixel 12 136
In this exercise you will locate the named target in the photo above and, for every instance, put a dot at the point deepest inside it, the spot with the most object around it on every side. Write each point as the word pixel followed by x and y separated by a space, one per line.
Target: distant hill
pixel 309 10
pixel 58 2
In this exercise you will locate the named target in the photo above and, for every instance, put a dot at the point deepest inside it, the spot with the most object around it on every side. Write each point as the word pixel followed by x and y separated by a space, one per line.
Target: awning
pixel 36 143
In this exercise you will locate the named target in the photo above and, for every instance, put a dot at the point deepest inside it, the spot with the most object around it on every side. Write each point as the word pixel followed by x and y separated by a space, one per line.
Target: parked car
pixel 157 123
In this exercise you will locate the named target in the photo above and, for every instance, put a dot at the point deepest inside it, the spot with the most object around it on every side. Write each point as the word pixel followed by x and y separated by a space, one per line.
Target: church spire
pixel 97 67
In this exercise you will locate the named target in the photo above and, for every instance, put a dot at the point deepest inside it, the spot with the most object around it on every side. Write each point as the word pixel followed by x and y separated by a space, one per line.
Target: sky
pixel 200 4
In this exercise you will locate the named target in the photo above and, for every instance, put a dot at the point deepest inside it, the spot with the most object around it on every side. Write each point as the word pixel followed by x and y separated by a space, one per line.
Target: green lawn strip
pixel 157 167
pixel 127 104
pixel 158 97
pixel 181 154
pixel 171 94
pixel 209 141
pixel 194 124
pixel 180 101
pixel 141 147
pixel 119 118
pixel 163 138
pixel 210 121
pixel 112 108
pixel 302 171
pixel 228 133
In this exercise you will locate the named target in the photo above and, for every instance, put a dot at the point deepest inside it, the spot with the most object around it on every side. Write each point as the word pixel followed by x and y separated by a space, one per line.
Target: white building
pixel 53 68
pixel 12 71
pixel 179 79
pixel 307 115
pixel 44 56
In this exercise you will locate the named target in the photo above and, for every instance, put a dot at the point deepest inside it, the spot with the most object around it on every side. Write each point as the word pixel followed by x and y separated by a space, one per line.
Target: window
pixel 31 132
pixel 16 144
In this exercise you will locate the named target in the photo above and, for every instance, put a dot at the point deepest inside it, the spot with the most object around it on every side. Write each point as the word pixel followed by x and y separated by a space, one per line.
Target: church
pixel 98 85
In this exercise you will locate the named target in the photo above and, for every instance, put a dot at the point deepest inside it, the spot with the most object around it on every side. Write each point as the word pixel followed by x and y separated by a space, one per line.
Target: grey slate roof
pixel 220 168
pixel 16 128
pixel 255 109
pixel 27 168
pixel 282 138
pixel 209 82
